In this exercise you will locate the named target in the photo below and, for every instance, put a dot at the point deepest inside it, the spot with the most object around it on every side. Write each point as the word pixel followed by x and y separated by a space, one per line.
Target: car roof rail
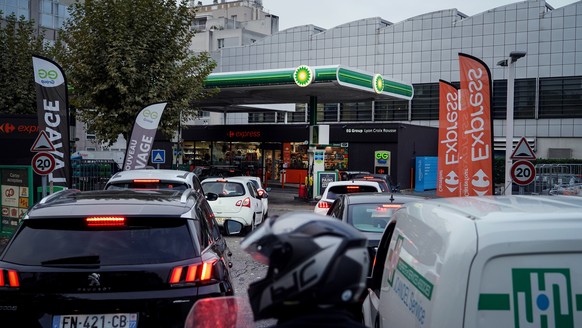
pixel 58 194
pixel 186 194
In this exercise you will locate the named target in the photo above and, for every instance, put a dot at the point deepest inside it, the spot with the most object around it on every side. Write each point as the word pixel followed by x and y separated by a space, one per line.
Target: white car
pixel 154 179
pixel 238 200
pixel 263 192
pixel 343 187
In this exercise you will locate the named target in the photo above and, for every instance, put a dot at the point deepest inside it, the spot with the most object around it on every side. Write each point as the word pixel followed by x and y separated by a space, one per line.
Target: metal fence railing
pixel 91 174
pixel 556 179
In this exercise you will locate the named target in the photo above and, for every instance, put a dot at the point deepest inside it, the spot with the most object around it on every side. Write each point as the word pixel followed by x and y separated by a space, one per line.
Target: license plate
pixel 109 320
pixel 220 220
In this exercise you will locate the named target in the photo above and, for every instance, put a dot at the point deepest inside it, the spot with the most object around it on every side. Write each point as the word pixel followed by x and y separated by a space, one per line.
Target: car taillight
pixel 146 181
pixel 245 202
pixel 323 205
pixel 192 273
pixel 353 187
pixel 105 221
pixel 9 278
pixel 392 206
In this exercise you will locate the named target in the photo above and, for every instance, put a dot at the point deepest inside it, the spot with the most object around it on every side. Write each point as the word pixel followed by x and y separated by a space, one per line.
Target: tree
pixel 18 42
pixel 120 56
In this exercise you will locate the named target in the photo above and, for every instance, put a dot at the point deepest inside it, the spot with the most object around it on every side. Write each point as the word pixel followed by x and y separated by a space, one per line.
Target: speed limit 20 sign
pixel 43 163
pixel 523 172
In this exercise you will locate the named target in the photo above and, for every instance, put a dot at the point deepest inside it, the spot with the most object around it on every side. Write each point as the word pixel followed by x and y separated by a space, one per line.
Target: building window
pixel 89 133
pixel 523 100
pixel 264 117
pixel 327 112
pixel 220 43
pixel 391 110
pixel 360 111
pixel 298 116
pixel 425 104
pixel 561 97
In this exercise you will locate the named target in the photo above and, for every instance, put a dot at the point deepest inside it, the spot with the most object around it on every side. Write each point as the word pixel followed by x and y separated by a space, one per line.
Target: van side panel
pixel 426 272
pixel 527 278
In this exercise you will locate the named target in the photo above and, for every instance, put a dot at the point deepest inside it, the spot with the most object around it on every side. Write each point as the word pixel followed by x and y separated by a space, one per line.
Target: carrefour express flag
pixel 476 125
pixel 53 115
pixel 448 173
pixel 139 145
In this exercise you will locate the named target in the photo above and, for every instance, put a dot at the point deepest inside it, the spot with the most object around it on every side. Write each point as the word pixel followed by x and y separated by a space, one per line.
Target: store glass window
pixel 299 157
pixel 336 158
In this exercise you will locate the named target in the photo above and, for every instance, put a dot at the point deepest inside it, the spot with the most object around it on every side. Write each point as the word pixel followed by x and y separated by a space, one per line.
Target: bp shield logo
pixel 542 298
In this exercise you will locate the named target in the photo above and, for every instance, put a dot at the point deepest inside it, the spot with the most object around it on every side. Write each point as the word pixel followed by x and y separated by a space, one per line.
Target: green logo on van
pixel 541 298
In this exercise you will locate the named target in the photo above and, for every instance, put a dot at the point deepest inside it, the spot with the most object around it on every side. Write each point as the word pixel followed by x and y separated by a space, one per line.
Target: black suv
pixel 113 258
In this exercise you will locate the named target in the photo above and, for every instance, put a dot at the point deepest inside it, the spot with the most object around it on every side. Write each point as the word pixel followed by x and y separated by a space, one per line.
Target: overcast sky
pixel 330 13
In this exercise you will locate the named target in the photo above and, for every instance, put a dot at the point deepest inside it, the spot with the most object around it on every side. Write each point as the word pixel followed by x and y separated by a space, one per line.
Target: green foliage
pixel 121 56
pixel 18 42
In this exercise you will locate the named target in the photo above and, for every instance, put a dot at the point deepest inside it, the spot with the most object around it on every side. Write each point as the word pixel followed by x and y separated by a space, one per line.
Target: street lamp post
pixel 510 63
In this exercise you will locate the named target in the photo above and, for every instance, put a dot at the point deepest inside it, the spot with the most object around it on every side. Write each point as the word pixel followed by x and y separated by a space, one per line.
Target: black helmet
pixel 314 261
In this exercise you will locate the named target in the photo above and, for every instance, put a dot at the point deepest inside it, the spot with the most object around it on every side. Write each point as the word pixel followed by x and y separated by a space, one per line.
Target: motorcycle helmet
pixel 314 261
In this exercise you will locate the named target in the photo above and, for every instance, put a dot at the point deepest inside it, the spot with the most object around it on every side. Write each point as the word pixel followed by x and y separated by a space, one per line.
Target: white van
pixel 499 261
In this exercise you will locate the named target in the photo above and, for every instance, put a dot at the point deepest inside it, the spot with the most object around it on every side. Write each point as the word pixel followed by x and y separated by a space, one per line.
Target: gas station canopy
pixel 239 91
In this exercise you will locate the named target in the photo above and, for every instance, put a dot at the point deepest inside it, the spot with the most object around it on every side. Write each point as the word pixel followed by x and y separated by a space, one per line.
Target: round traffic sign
pixel 523 172
pixel 43 163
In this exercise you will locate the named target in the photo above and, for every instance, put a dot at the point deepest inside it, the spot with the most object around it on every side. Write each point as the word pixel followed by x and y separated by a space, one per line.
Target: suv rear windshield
pixel 147 185
pixel 337 190
pixel 72 242
pixel 224 189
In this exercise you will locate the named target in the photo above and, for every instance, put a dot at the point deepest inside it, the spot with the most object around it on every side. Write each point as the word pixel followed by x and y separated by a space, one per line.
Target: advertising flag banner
pixel 53 116
pixel 448 172
pixel 475 122
pixel 139 145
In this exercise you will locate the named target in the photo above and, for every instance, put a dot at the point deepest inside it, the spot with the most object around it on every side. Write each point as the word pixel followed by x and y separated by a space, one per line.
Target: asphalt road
pixel 245 270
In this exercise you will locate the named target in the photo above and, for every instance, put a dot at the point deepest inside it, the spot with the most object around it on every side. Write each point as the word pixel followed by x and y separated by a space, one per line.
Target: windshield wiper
pixel 74 260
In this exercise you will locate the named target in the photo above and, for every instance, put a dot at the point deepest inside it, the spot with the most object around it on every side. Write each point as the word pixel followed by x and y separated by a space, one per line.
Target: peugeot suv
pixel 113 258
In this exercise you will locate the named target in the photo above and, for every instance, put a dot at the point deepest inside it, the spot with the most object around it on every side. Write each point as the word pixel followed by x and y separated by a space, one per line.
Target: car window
pixel 224 188
pixel 371 217
pixel 196 183
pixel 334 191
pixel 252 189
pixel 336 209
pixel 207 215
pixel 140 241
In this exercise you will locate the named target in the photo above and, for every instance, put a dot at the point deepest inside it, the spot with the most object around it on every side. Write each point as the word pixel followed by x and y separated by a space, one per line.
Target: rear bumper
pixel 167 308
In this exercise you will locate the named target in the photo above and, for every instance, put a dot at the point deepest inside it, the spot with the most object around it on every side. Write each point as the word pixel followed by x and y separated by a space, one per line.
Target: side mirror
pixel 210 196
pixel 232 227
pixel 318 198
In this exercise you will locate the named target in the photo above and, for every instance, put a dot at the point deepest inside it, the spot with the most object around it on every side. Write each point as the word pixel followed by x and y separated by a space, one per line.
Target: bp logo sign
pixel 378 83
pixel 540 298
pixel 303 76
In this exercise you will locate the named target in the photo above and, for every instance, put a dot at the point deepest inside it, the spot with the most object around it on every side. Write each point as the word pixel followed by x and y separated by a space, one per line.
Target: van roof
pixel 512 207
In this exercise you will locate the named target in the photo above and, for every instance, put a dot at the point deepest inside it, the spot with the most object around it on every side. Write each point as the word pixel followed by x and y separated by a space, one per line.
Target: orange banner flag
pixel 448 173
pixel 476 148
